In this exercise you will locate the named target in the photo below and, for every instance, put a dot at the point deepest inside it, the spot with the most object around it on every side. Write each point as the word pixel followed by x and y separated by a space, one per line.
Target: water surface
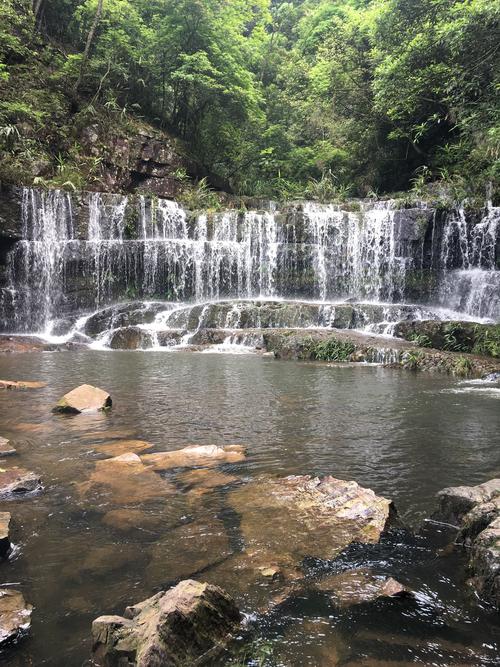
pixel 405 435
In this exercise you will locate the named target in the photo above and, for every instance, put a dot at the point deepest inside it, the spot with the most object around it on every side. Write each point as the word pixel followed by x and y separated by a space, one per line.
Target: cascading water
pixel 81 256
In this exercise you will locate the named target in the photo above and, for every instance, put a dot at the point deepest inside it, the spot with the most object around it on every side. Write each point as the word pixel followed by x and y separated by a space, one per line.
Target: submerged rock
pixel 15 615
pixel 4 534
pixel 18 482
pixel 6 449
pixel 21 384
pixel 359 586
pixel 123 447
pixel 124 479
pixel 84 398
pixel 475 511
pixel 195 455
pixel 188 550
pixel 130 338
pixel 180 627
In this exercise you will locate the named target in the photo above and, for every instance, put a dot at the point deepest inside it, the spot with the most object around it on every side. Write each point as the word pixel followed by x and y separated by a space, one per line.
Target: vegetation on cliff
pixel 305 98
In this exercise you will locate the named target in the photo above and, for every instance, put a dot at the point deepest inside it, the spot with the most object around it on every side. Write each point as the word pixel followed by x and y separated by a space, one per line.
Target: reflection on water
pixel 86 548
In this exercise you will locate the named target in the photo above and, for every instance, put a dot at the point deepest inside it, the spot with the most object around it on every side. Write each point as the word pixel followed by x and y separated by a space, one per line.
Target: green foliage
pixel 487 341
pixel 462 367
pixel 455 340
pixel 199 196
pixel 422 340
pixel 333 350
pixel 309 98
pixel 412 359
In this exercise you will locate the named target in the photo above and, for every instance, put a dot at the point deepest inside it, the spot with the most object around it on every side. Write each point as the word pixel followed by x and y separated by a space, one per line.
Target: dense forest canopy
pixel 312 97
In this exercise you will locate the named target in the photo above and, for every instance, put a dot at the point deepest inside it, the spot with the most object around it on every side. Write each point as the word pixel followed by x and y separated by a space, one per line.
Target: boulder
pixel 84 398
pixel 195 455
pixel 359 586
pixel 203 480
pixel 180 627
pixel 18 482
pixel 475 511
pixel 456 501
pixel 4 534
pixel 286 519
pixel 124 479
pixel 130 338
pixel 15 615
pixel 170 337
pixel 123 447
pixel 6 449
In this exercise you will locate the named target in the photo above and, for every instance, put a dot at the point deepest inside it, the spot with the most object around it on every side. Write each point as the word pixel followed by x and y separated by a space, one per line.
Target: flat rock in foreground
pixel 84 398
pixel 195 455
pixel 15 615
pixel 475 511
pixel 18 482
pixel 4 534
pixel 179 627
pixel 287 519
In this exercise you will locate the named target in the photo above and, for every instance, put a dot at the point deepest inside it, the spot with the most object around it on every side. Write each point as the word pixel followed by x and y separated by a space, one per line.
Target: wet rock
pixel 130 338
pixel 128 519
pixel 21 384
pixel 123 447
pixel 286 519
pixel 124 315
pixel 188 550
pixel 359 586
pixel 195 455
pixel 485 563
pixel 15 615
pixel 124 479
pixel 16 482
pixel 4 534
pixel 84 398
pixel 169 337
pixel 475 510
pixel 6 449
pixel 203 480
pixel 456 501
pixel 179 627
pixel 20 344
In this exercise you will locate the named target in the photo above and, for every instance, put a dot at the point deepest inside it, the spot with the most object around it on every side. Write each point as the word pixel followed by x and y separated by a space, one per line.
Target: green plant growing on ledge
pixel 463 367
pixel 487 341
pixel 453 333
pixel 421 340
pixel 333 350
pixel 412 360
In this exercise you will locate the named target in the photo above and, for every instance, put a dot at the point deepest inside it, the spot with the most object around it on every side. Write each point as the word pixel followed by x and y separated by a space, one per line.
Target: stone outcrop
pixel 183 626
pixel 475 511
pixel 195 455
pixel 6 449
pixel 84 398
pixel 4 534
pixel 16 482
pixel 15 615
pixel 130 338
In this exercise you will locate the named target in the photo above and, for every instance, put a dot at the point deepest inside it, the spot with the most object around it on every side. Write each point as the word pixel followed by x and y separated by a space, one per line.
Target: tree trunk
pixel 88 44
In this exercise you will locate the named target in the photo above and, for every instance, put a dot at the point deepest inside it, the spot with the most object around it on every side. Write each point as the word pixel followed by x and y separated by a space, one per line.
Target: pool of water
pixel 79 555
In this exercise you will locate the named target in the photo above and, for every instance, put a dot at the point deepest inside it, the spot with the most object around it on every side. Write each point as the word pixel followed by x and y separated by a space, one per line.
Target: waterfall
pixel 79 253
pixel 469 261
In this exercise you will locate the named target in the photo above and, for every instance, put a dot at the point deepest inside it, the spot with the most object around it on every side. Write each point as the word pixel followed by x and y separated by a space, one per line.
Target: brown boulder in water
pixel 84 398
pixel 15 615
pixel 195 455
pixel 180 627
pixel 360 585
